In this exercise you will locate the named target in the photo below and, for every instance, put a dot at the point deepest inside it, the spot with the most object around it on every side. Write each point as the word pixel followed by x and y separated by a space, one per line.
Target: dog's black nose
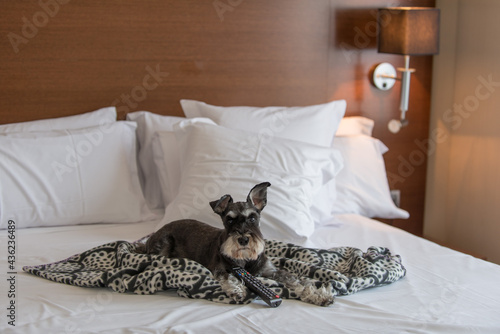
pixel 243 241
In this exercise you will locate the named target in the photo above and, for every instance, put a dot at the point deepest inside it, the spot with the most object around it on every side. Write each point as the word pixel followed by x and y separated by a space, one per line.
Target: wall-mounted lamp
pixel 407 31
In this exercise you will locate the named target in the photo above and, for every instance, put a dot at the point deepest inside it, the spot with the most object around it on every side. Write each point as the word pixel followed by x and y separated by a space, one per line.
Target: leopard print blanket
pixel 115 265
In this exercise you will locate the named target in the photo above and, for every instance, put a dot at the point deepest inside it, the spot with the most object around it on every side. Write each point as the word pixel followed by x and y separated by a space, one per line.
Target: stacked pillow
pixel 71 170
pixel 362 186
pixel 148 124
pixel 93 118
pixel 216 161
pixel 315 124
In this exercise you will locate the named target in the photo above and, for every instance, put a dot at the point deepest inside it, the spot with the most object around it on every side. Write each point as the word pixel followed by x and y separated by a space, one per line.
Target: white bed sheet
pixel 444 291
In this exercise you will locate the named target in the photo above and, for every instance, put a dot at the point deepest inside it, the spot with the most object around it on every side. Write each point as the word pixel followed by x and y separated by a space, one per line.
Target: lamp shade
pixel 408 30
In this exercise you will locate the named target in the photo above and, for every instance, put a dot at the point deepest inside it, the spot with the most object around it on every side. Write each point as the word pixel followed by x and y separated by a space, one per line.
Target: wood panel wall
pixel 61 57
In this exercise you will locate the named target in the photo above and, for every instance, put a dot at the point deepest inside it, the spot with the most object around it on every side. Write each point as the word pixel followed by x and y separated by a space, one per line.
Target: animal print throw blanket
pixel 115 265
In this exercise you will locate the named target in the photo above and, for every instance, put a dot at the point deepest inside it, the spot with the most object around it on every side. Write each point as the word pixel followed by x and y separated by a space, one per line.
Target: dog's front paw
pixel 234 288
pixel 237 293
pixel 322 296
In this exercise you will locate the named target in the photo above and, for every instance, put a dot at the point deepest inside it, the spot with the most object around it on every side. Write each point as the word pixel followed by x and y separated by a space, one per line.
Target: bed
pixel 434 297
pixel 440 290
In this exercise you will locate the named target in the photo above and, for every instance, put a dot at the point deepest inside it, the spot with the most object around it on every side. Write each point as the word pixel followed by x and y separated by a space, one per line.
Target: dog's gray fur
pixel 240 243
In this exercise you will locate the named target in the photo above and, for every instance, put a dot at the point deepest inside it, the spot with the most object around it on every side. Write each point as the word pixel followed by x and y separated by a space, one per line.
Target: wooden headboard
pixel 64 57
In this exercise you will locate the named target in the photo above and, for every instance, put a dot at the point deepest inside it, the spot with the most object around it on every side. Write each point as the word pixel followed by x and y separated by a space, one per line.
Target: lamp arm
pixel 405 87
pixel 396 125
pixel 388 76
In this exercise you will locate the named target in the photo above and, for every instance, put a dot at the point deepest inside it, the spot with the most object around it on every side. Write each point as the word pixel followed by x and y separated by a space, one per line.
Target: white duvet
pixel 443 292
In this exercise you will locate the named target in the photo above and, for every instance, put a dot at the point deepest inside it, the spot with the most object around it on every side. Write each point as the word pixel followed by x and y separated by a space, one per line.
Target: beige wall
pixel 463 185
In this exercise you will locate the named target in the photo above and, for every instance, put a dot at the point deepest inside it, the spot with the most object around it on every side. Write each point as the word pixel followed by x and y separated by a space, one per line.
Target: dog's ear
pixel 221 204
pixel 258 195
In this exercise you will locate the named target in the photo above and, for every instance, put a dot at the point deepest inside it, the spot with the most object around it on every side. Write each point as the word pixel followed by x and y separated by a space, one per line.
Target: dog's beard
pixel 232 249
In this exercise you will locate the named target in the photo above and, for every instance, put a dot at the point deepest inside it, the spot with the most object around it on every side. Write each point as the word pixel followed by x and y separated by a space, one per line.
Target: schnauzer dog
pixel 240 244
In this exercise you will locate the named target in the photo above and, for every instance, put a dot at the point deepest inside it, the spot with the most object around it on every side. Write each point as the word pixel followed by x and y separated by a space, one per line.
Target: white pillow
pixel 216 161
pixel 93 118
pixel 315 124
pixel 167 160
pixel 147 125
pixel 355 125
pixel 67 177
pixel 362 185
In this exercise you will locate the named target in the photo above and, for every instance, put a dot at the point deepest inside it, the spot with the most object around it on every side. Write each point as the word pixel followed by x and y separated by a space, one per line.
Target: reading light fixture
pixel 408 31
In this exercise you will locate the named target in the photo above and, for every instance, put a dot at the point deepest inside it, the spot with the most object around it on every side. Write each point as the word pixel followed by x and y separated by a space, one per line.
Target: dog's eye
pixel 252 220
pixel 229 221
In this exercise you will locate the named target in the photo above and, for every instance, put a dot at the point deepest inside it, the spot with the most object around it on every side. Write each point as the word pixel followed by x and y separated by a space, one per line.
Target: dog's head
pixel 242 223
